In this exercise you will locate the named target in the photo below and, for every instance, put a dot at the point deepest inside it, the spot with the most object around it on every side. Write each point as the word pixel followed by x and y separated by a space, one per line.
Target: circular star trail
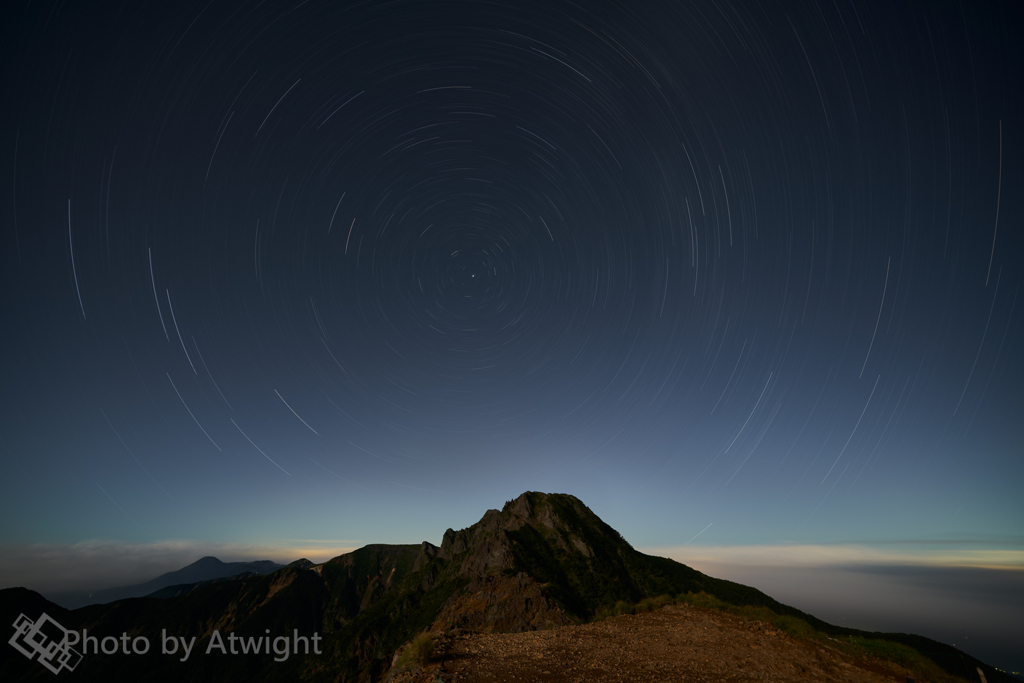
pixel 338 270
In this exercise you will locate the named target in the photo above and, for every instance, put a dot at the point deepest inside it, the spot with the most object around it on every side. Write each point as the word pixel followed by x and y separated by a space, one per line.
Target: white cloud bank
pixel 968 597
pixel 840 555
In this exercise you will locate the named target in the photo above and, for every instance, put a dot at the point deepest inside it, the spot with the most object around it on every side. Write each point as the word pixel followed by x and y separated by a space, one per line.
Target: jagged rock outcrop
pixel 493 548
pixel 503 604
pixel 543 560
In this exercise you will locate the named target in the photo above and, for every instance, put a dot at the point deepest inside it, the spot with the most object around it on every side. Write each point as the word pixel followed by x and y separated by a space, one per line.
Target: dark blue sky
pixel 313 276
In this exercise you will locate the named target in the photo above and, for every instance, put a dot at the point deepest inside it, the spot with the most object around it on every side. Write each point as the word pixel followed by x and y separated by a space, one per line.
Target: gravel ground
pixel 675 643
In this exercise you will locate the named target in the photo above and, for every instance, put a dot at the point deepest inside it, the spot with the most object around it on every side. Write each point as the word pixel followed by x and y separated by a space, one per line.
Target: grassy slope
pixel 365 619
pixel 369 630
pixel 588 586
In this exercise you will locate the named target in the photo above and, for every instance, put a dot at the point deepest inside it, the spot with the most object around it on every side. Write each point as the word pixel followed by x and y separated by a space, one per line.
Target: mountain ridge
pixel 542 561
pixel 206 568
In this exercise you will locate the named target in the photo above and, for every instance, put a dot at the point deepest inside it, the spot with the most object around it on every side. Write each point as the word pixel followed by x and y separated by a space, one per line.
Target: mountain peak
pixel 535 505
pixel 542 560
pixel 488 538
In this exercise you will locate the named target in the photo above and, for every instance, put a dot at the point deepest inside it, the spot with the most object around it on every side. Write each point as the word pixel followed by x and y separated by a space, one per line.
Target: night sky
pixel 300 276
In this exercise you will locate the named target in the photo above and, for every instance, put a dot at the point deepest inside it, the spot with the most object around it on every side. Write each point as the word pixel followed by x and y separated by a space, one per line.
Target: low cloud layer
pixel 794 555
pixel 972 599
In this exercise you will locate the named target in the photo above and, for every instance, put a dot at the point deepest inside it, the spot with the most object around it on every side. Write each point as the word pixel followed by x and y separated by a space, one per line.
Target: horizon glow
pixel 289 280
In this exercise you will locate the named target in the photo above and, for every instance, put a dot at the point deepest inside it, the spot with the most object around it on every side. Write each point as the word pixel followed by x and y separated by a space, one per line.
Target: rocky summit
pixel 541 563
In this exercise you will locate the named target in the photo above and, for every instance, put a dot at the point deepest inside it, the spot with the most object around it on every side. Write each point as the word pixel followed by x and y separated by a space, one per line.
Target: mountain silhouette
pixel 203 569
pixel 542 561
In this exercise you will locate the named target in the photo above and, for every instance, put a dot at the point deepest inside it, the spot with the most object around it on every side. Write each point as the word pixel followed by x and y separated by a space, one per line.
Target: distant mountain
pixel 544 560
pixel 204 569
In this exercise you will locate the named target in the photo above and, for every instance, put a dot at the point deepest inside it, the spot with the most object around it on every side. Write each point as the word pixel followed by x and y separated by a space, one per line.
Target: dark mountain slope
pixel 543 560
pixel 183 588
pixel 204 569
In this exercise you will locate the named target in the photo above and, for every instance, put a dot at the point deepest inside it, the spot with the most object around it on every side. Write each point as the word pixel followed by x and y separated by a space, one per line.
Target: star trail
pixel 741 271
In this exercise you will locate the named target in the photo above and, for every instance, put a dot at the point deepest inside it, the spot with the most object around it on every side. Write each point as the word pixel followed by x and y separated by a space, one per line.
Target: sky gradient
pixel 284 280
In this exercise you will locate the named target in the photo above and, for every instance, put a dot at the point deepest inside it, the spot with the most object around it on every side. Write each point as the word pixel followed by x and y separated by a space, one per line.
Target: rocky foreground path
pixel 675 643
